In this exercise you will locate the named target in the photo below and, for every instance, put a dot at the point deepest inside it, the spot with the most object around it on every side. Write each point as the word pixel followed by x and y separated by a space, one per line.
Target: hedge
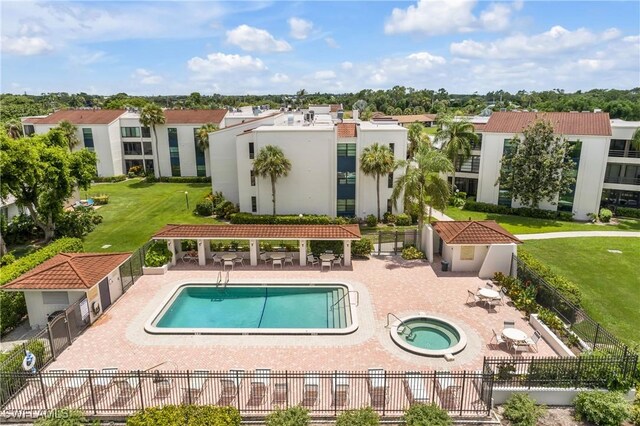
pixel 12 362
pixel 109 179
pixel 307 219
pixel 564 286
pixel 179 179
pixel 521 211
pixel 13 304
pixel 628 212
pixel 191 415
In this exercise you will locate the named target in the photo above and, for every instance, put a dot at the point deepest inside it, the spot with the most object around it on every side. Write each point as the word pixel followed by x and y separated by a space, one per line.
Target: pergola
pixel 173 234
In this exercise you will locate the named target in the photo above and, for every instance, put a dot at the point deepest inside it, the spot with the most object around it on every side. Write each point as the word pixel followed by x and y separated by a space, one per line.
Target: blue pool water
pixel 256 307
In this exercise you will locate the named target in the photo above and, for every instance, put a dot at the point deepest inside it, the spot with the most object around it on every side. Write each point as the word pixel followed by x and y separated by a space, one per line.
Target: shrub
pixel 192 415
pixel 363 247
pixel 11 361
pixel 135 171
pixel 634 418
pixel 7 259
pixel 292 416
pixel 305 219
pixel 158 254
pixel 78 223
pixel 109 179
pixel 100 200
pixel 522 410
pixel 605 215
pixel 551 320
pixel 204 208
pixel 403 219
pixel 426 415
pixel 319 246
pixel 567 288
pixel 19 229
pixel 178 179
pixel 522 211
pixel 389 218
pixel 601 408
pixel 412 253
pixel 62 417
pixel 362 417
pixel 372 221
pixel 628 212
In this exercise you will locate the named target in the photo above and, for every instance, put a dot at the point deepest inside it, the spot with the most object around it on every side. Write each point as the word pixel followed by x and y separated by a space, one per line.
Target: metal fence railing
pixel 131 270
pixel 253 393
pixel 394 241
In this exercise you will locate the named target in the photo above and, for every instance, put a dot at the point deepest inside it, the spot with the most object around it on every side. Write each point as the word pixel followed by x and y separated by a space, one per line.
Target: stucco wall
pixel 38 311
pixel 459 265
pixel 498 259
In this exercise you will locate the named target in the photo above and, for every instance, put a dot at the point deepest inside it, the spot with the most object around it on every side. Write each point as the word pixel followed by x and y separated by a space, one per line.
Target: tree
pixel 150 115
pixel 377 160
pixel 360 105
pixel 422 184
pixel 41 173
pixel 417 136
pixel 635 140
pixel 538 167
pixel 69 132
pixel 13 128
pixel 457 137
pixel 300 96
pixel 271 162
pixel 203 135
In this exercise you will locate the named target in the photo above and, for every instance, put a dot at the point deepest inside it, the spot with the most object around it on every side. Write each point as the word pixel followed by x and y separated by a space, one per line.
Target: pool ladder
pixel 410 336
pixel 220 283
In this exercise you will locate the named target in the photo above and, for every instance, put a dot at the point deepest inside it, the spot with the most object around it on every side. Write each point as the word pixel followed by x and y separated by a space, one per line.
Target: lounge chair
pixel 280 394
pixel 195 387
pixel 127 388
pixel 74 387
pixel 310 390
pixel 533 340
pixel 162 384
pixel 498 338
pixel 259 385
pixel 415 387
pixel 377 387
pixel 230 387
pixel 340 388
pixel 311 259
pixel 472 298
pixel 448 391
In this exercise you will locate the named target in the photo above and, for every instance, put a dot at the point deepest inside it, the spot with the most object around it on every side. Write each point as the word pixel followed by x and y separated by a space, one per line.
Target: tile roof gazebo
pixel 254 233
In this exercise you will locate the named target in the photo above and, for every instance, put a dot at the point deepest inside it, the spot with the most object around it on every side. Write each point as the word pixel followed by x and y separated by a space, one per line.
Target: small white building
pixel 8 207
pixel 68 278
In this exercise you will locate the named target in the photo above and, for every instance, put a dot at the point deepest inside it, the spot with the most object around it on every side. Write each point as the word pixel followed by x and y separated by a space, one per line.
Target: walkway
pixel 577 234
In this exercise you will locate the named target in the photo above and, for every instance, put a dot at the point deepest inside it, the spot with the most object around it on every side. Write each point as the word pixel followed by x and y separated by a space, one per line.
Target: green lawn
pixel 610 282
pixel 137 210
pixel 528 225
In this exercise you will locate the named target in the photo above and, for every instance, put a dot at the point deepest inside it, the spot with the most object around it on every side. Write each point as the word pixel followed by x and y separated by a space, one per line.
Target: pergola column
pixel 202 256
pixel 207 249
pixel 171 247
pixel 303 252
pixel 254 251
pixel 346 252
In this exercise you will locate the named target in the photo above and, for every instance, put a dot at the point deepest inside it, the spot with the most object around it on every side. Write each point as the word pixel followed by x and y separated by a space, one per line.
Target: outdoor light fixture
pixel 186 195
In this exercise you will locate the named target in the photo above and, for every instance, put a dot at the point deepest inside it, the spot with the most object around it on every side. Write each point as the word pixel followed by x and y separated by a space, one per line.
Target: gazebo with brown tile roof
pixel 173 234
pixel 67 278
pixel 481 245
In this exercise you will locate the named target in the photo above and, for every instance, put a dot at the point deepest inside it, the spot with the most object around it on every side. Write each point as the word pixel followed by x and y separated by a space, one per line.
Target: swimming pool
pixel 204 308
pixel 428 335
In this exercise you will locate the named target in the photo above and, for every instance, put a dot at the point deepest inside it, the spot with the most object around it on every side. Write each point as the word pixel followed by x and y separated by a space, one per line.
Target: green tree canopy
pixel 456 137
pixel 538 167
pixel 150 115
pixel 69 132
pixel 203 135
pixel 377 160
pixel 271 163
pixel 13 128
pixel 417 136
pixel 41 173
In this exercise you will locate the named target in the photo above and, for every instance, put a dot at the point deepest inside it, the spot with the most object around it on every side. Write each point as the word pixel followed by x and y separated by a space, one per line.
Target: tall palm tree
pixel 457 137
pixel 13 128
pixel 70 133
pixel 271 162
pixel 203 135
pixel 635 140
pixel 150 115
pixel 300 95
pixel 377 160
pixel 422 184
pixel 417 137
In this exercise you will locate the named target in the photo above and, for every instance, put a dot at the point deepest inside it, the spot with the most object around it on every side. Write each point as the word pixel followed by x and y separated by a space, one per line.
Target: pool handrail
pixel 401 322
pixel 345 295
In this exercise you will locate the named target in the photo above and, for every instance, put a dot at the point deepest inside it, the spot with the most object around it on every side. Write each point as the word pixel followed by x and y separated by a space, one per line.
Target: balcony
pixel 622 180
pixel 621 153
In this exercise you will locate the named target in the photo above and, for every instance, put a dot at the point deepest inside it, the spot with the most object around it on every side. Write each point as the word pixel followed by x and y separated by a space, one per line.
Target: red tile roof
pixel 335 107
pixel 194 116
pixel 69 271
pixel 479 127
pixel 278 232
pixel 79 116
pixel 564 123
pixel 347 130
pixel 473 232
pixel 421 118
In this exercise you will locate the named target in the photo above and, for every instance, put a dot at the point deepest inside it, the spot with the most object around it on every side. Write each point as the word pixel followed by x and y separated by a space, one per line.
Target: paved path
pixel 574 234
pixel 439 215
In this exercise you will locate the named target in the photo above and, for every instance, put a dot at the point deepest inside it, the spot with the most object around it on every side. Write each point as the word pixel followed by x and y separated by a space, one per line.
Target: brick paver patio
pixel 386 285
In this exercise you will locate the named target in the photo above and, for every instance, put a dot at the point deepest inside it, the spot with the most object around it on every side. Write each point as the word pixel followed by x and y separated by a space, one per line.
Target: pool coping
pixel 150 328
pixel 459 347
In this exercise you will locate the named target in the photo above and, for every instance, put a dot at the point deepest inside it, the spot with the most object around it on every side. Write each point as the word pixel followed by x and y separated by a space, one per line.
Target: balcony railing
pixel 621 153
pixel 622 180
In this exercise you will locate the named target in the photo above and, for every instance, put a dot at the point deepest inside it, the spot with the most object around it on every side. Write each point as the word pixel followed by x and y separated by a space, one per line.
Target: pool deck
pixel 386 285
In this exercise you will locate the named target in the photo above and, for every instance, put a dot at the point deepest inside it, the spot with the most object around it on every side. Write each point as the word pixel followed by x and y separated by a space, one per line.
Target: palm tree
pixel 69 132
pixel 300 95
pixel 457 137
pixel 150 115
pixel 635 140
pixel 203 135
pixel 422 184
pixel 377 160
pixel 13 128
pixel 417 137
pixel 271 162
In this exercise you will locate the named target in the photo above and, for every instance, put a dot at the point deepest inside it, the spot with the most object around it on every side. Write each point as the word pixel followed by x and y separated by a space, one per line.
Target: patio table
pixel 487 293
pixel 514 335
pixel 229 256
pixel 190 257
pixel 327 257
pixel 278 256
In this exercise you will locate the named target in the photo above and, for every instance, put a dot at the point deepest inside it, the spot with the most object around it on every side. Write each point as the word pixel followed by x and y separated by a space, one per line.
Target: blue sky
pixel 256 47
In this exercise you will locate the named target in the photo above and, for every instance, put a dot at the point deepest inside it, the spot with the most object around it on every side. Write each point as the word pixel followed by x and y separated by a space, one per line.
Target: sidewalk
pixel 576 234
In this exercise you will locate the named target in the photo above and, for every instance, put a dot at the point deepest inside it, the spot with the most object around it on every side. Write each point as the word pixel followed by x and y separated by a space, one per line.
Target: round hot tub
pixel 428 335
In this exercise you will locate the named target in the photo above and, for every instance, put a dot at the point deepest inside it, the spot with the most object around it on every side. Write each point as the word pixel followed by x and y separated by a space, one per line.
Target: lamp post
pixel 186 196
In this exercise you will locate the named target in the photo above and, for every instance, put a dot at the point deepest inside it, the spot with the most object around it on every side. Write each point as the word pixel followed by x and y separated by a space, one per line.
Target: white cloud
pixel 220 63
pixel 147 77
pixel 331 42
pixel 25 46
pixel 256 40
pixel 346 65
pixel 300 28
pixel 558 39
pixel 324 75
pixel 433 17
pixel 279 78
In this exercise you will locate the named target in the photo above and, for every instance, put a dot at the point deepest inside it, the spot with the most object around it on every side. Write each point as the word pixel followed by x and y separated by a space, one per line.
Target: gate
pixel 105 297
pixel 59 334
pixel 393 242
pixel 77 317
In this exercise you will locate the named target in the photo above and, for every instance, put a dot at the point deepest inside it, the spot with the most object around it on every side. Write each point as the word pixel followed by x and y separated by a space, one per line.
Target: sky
pixel 262 47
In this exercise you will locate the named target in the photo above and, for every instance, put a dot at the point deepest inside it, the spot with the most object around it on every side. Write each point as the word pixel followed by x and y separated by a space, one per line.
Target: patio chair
pixel 74 386
pixel 230 387
pixel 472 298
pixel 489 284
pixel 311 259
pixel 288 259
pixel 259 385
pixel 325 263
pixel 498 338
pixel 520 347
pixel 376 382
pixel 340 388
pixel 415 388
pixel 104 379
pixel 509 324
pixel 239 260
pixel 216 259
pixel 310 390
pixel 533 340
pixel 275 262
pixel 337 262
pixel 127 388
pixel 195 386
pixel 163 385
pixel 228 263
pixel 265 258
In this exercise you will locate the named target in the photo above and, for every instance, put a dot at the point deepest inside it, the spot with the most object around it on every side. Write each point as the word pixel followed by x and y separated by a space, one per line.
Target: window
pixel 390 180
pixel 471 165
pixel 254 204
pixel 201 168
pixel 389 205
pixel 174 151
pixel 130 132
pixel 467 252
pixel 87 137
pixel 346 178
pixel 565 201
pixel 346 150
pixel 392 147
pixel 146 132
pixel 253 178
pixel 149 165
pixel 504 194
pixel 148 148
pixel 132 148
pixel 55 298
pixel 128 164
pixel 29 129
pixel 251 151
pixel 346 207
pixel 616 147
pixel 477 146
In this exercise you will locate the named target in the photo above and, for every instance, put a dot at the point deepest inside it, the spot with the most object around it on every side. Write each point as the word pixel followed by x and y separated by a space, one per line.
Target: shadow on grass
pixel 144 184
pixel 525 221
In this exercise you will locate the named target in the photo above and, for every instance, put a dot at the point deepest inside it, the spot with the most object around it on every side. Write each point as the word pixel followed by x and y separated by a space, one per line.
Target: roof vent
pixel 597 110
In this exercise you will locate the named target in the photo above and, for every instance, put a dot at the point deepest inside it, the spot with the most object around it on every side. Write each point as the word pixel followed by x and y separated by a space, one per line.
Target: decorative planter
pixel 550 337
pixel 155 270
